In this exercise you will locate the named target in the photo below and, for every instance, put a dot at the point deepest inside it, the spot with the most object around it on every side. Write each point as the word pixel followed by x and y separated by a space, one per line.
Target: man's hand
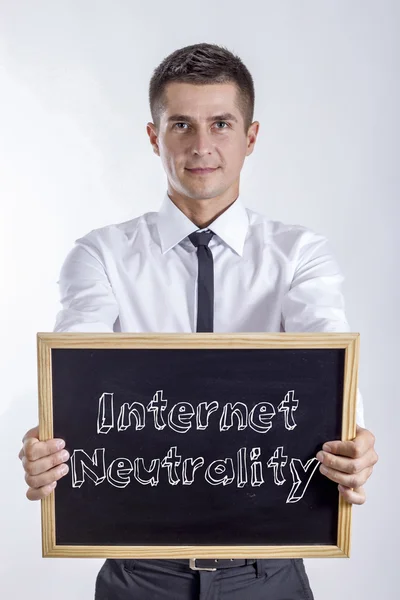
pixel 350 464
pixel 43 463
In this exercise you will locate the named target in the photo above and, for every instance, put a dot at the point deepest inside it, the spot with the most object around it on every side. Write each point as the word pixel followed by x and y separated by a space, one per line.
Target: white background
pixel 74 155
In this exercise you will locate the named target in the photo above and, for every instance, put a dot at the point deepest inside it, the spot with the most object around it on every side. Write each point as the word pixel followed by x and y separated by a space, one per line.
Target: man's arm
pixel 88 305
pixel 315 303
pixel 87 299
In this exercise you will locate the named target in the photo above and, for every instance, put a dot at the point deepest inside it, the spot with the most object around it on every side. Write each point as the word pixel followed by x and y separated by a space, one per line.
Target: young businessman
pixel 204 262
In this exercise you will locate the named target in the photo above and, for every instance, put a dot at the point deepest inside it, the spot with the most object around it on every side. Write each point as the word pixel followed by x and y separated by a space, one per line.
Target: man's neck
pixel 203 212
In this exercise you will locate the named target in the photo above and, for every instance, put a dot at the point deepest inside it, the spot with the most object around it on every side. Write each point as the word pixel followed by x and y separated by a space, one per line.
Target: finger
pixel 34 449
pixel 351 481
pixel 356 448
pixel 47 478
pixel 356 496
pixel 38 494
pixel 348 465
pixel 36 467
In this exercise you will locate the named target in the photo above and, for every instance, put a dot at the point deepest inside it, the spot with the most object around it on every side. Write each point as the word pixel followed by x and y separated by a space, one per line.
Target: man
pixel 203 263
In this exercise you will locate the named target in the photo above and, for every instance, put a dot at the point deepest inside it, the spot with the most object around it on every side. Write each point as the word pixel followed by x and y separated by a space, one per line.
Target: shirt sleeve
pixel 314 301
pixel 87 299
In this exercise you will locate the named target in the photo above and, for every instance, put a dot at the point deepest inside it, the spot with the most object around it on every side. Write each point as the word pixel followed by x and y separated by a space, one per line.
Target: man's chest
pixel 158 292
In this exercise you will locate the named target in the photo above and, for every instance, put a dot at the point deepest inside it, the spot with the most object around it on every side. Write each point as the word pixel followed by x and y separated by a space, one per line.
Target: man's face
pixel 202 128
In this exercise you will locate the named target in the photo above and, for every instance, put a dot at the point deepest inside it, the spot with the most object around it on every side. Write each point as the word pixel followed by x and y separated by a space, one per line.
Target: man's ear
pixel 153 135
pixel 252 136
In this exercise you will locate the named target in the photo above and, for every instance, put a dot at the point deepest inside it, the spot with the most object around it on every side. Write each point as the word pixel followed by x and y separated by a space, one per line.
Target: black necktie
pixel 205 280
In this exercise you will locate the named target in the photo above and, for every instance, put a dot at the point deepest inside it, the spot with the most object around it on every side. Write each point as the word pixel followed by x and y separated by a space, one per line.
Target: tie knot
pixel 201 238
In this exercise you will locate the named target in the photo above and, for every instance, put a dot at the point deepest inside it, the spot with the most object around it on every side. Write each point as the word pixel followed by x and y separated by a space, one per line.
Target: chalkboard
pixel 197 444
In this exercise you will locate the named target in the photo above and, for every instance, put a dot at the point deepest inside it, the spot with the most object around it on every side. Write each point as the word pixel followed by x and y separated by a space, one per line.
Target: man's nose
pixel 202 143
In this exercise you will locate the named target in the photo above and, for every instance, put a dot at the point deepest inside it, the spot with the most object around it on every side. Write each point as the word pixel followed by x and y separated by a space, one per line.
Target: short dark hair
pixel 201 64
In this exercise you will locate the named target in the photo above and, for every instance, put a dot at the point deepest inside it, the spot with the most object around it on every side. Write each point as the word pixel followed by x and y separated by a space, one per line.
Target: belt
pixel 212 564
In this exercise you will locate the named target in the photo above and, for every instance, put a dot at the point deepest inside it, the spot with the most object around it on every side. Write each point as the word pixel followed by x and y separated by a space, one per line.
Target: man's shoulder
pixel 118 232
pixel 274 230
pixel 283 234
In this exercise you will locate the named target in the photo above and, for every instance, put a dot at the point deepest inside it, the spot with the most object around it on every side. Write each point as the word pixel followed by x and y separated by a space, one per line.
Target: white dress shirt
pixel 141 276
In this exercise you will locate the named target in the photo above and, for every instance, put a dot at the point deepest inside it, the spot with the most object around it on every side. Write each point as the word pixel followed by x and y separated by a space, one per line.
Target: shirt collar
pixel 231 226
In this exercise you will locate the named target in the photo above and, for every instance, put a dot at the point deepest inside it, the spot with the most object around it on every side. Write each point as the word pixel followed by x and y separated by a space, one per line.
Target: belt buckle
pixel 192 565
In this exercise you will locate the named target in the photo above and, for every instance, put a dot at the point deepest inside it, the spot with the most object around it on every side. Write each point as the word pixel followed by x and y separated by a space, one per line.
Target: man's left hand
pixel 350 464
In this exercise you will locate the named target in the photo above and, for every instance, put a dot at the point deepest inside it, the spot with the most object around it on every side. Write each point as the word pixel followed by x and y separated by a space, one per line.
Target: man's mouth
pixel 198 171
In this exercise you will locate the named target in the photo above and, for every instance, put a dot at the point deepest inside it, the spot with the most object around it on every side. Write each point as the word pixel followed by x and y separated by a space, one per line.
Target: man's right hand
pixel 43 462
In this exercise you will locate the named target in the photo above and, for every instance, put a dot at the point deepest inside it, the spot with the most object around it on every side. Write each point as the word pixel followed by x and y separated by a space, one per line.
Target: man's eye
pixel 219 122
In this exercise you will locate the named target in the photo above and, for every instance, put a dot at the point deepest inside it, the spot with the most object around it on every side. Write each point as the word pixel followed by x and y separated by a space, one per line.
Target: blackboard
pixel 192 444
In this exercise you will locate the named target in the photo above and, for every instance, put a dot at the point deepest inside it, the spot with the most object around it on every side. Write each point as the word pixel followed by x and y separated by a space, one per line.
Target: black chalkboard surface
pixel 196 444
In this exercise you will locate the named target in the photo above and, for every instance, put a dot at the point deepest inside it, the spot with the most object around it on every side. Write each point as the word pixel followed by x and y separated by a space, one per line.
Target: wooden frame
pixel 349 342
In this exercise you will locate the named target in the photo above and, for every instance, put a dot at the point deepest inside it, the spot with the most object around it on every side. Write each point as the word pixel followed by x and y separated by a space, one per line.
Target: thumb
pixel 32 433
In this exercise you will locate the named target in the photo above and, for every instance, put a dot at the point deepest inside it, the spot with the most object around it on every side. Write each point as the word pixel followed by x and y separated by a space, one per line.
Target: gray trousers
pixel 267 579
